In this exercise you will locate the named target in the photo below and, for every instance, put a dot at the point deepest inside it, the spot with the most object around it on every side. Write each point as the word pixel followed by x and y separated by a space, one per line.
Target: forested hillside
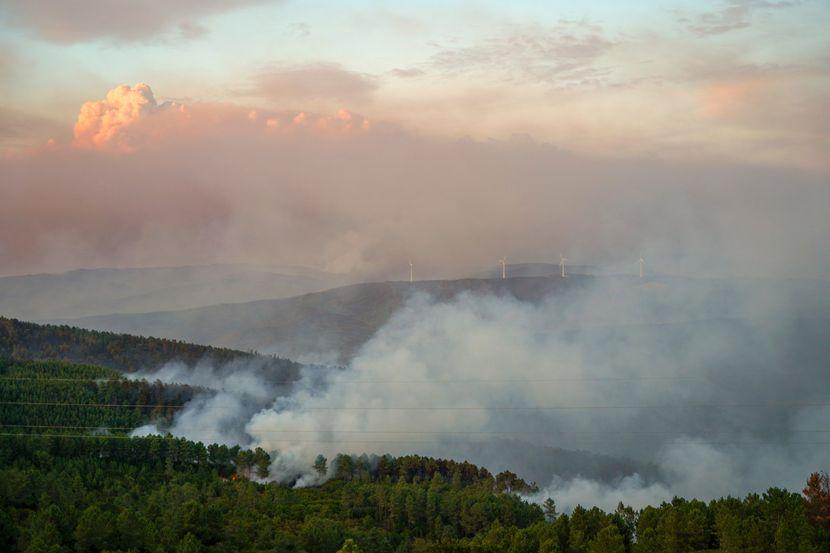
pixel 332 324
pixel 165 494
pixel 123 352
pixel 55 396
pixel 72 480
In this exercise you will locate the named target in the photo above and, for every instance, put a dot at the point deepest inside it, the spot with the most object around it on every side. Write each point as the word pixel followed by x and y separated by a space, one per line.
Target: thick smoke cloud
pixel 104 123
pixel 717 387
pixel 232 394
pixel 205 183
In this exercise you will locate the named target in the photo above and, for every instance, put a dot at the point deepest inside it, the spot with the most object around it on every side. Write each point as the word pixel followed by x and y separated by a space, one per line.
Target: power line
pixel 418 432
pixel 69 404
pixel 446 408
pixel 338 382
pixel 379 442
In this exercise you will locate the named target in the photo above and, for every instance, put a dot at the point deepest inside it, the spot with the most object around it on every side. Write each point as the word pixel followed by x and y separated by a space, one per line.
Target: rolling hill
pixel 330 326
pixel 532 270
pixel 88 292
pixel 30 351
pixel 24 341
pixel 326 326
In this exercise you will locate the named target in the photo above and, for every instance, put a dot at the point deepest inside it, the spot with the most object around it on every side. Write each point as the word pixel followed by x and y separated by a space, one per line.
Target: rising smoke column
pixel 717 384
pixel 667 373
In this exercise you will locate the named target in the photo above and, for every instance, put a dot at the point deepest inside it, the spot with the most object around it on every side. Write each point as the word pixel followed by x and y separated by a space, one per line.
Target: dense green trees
pixel 53 396
pixel 28 341
pixel 72 480
pixel 416 468
pixel 59 493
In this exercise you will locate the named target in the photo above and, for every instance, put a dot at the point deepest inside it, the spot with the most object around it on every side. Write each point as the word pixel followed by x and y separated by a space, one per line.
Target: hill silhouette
pixel 326 326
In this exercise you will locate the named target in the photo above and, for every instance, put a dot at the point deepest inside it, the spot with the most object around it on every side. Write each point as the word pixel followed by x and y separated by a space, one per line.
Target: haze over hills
pixel 191 369
pixel 323 326
pixel 331 325
pixel 21 340
pixel 105 291
pixel 531 270
pixel 656 331
pixel 88 292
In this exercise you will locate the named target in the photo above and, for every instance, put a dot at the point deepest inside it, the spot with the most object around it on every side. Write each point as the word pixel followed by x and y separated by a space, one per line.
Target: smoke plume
pixel 719 384
pixel 150 183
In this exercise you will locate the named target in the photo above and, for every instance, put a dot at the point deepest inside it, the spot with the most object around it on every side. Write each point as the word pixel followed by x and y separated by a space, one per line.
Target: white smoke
pixel 632 490
pixel 233 393
pixel 690 378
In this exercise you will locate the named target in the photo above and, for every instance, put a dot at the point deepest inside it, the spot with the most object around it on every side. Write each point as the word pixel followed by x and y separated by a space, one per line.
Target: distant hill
pixel 88 292
pixel 325 326
pixel 533 270
pixel 28 341
pixel 34 350
pixel 330 326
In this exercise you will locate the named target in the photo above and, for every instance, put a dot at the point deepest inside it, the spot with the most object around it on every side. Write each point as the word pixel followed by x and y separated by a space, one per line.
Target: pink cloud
pixel 104 123
pixel 203 183
pixel 130 117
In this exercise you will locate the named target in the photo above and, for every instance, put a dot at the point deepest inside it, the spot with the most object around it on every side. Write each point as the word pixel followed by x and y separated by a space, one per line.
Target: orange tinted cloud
pixel 102 123
pixel 212 183
pixel 130 117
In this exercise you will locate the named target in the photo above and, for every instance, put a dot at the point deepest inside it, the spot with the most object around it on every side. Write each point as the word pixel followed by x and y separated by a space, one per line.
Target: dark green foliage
pixel 677 526
pixel 169 493
pixel 320 466
pixel 416 468
pixel 549 508
pixel 28 341
pixel 607 540
pixel 63 386
pixel 105 491
pixel 59 493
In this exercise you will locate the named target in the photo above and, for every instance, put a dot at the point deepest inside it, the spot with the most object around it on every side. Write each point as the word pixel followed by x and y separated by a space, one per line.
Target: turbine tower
pixel 642 265
pixel 503 262
pixel 562 261
pixel 410 270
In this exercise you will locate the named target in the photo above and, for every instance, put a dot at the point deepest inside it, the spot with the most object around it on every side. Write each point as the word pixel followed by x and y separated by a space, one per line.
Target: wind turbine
pixel 503 262
pixel 562 261
pixel 410 270
pixel 642 265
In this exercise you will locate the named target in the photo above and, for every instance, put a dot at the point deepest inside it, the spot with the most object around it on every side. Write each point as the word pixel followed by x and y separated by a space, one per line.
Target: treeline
pixel 28 341
pixel 416 468
pixel 153 453
pixel 149 494
pixel 166 494
pixel 54 396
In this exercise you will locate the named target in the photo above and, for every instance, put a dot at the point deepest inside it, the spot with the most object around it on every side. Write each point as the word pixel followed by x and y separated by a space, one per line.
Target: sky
pixel 352 136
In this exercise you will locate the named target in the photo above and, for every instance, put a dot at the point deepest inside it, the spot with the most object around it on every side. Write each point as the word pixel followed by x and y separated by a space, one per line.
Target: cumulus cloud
pixel 71 21
pixel 127 117
pixel 105 122
pixel 151 185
